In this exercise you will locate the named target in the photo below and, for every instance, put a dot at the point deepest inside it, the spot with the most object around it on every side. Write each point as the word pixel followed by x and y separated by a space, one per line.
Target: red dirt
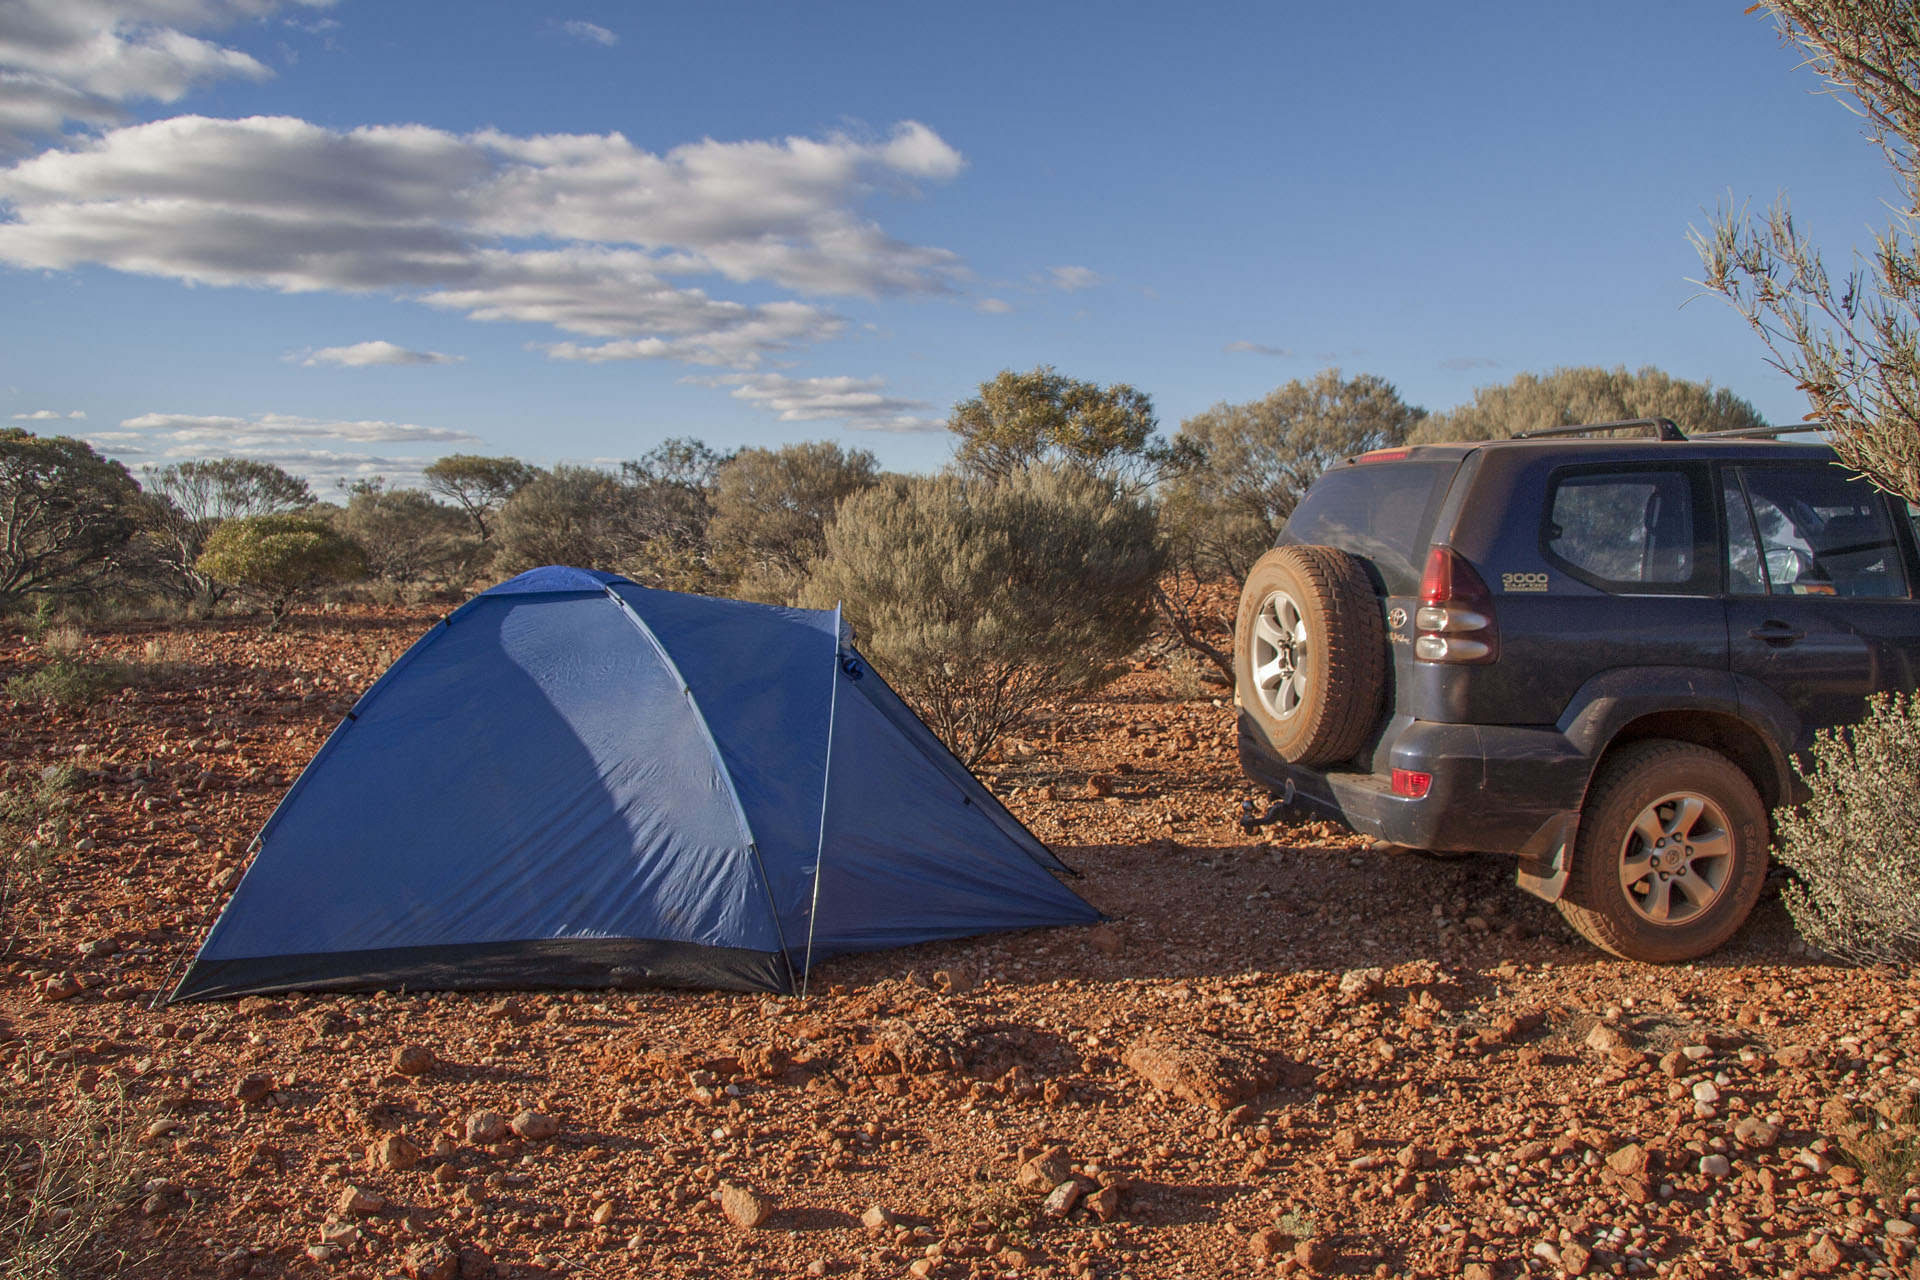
pixel 1448 1116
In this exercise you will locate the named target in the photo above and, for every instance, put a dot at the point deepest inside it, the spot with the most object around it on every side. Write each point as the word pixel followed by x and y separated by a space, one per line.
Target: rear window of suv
pixel 1380 511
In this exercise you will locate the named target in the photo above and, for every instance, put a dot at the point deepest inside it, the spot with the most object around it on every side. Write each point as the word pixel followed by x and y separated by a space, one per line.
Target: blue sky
pixel 350 237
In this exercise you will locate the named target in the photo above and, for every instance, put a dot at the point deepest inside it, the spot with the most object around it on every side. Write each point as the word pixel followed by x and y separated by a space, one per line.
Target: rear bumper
pixel 1496 789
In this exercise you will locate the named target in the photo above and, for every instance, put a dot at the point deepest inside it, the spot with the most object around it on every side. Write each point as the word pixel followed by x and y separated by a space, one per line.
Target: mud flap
pixel 1548 858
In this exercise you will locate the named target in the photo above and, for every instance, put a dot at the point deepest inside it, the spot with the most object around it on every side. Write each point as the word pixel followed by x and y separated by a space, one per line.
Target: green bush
pixel 276 558
pixel 1855 845
pixel 979 601
pixel 67 683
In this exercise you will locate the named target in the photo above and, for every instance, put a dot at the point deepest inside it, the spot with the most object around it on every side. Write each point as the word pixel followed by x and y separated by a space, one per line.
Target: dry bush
pixel 1883 1142
pixel 980 601
pixel 67 1172
pixel 1855 845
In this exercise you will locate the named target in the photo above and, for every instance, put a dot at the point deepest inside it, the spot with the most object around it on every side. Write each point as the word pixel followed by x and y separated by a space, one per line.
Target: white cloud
pixel 591 31
pixel 581 232
pixel 51 415
pixel 79 60
pixel 376 352
pixel 197 431
pixel 858 402
pixel 994 306
pixel 1256 348
pixel 1074 279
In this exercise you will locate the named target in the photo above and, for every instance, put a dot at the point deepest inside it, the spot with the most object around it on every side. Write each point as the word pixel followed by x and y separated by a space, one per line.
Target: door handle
pixel 1777 633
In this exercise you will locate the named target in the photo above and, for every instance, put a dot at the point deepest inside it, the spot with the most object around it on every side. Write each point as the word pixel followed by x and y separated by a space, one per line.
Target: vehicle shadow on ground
pixel 1277 907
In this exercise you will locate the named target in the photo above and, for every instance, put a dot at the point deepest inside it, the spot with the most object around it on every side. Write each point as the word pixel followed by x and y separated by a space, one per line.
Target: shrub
pixel 67 683
pixel 33 827
pixel 67 1174
pixel 1883 1142
pixel 980 601
pixel 771 508
pixel 1855 845
pixel 276 558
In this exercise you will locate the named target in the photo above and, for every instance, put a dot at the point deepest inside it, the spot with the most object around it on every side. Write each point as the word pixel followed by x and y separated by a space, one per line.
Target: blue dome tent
pixel 573 780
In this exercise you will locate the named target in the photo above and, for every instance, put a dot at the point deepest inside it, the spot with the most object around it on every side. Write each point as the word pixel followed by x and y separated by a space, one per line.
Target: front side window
pixel 1624 530
pixel 1817 531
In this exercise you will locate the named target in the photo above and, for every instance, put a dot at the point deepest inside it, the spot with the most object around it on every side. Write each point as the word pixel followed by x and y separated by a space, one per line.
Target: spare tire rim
pixel 1676 858
pixel 1281 650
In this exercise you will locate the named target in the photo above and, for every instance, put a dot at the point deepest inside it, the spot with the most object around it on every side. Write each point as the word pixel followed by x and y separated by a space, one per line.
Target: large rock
pixel 1201 1069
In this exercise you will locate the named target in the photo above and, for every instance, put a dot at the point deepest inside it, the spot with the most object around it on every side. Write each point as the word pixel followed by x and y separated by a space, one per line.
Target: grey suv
pixel 1599 655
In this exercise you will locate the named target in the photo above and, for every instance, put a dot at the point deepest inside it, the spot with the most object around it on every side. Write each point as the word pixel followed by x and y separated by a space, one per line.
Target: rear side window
pixel 1809 531
pixel 1632 530
pixel 1380 511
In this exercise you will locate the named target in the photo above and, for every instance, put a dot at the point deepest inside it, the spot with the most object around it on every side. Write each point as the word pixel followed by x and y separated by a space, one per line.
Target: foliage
pixel 1855 844
pixel 1853 346
pixel 408 537
pixel 980 601
pixel 1252 463
pixel 277 558
pixel 478 486
pixel 580 516
pixel 1563 397
pixel 1021 419
pixel 33 827
pixel 1883 1142
pixel 186 501
pixel 67 683
pixel 771 508
pixel 66 514
pixel 69 1171
pixel 649 522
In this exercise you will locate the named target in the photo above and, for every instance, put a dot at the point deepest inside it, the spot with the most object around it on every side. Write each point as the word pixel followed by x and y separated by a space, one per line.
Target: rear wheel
pixel 1671 855
pixel 1309 654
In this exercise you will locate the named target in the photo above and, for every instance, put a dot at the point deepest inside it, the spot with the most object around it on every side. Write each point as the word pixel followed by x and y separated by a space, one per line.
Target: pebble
pixel 1060 1201
pixel 359 1202
pixel 744 1208
pixel 534 1126
pixel 252 1088
pixel 1604 1039
pixel 1752 1131
pixel 413 1059
pixel 879 1218
pixel 393 1152
pixel 484 1128
pixel 1629 1161
pixel 1715 1166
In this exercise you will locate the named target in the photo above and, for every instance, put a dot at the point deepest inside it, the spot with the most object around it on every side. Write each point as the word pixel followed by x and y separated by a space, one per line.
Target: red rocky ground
pixel 1296 1054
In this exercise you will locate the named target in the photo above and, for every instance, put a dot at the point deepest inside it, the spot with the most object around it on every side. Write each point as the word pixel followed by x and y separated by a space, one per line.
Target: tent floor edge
pixel 578 963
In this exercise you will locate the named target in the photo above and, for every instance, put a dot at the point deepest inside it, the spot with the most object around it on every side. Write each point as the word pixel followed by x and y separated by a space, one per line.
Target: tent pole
pixel 826 773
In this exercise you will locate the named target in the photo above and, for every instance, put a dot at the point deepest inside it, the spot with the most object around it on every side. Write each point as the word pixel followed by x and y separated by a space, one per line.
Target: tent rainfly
pixel 576 781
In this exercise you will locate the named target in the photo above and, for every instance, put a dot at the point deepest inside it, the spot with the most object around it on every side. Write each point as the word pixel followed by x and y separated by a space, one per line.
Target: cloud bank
pixel 80 60
pixel 859 402
pixel 583 232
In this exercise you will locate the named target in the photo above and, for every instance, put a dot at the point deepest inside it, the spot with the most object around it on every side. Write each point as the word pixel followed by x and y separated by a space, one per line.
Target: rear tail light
pixel 1408 783
pixel 1454 622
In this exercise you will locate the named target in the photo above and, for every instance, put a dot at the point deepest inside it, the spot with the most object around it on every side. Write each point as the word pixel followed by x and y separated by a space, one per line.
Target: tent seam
pixel 720 767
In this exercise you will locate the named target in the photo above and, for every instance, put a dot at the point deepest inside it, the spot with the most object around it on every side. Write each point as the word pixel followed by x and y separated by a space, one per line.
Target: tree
pixel 66 514
pixel 580 516
pixel 771 508
pixel 1020 419
pixel 277 558
pixel 478 486
pixel 408 537
pixel 672 501
pixel 1252 464
pixel 1566 396
pixel 186 501
pixel 1852 346
pixel 980 600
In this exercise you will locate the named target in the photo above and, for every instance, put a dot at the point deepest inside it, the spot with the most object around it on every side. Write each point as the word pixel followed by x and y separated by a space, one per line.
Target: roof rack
pixel 1658 428
pixel 1762 433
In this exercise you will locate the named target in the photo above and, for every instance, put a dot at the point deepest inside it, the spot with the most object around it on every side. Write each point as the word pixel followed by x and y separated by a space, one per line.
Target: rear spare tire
pixel 1671 855
pixel 1309 655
